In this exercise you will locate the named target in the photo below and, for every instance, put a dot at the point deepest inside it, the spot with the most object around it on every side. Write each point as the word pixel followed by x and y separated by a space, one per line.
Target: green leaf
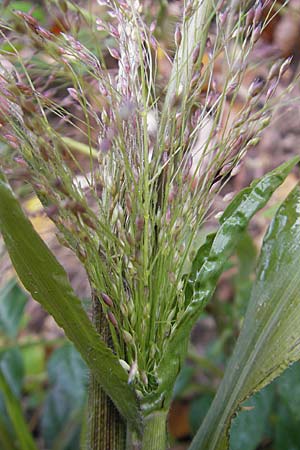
pixel 7 442
pixel 67 370
pixel 65 402
pixel 246 253
pixel 12 304
pixel 12 367
pixel 201 256
pixel 249 426
pixel 209 264
pixel 287 430
pixel 288 387
pixel 46 280
pixel 34 360
pixel 269 341
pixel 15 413
pixel 198 410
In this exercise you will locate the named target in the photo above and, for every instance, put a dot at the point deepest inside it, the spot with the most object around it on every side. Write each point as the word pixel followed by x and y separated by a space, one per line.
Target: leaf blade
pixel 12 304
pixel 268 342
pixel 65 400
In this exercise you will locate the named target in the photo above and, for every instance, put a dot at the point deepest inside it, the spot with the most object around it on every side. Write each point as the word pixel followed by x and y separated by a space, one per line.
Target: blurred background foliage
pixel 43 380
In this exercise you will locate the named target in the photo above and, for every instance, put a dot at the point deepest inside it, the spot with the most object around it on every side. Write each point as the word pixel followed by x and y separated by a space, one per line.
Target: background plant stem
pixel 106 428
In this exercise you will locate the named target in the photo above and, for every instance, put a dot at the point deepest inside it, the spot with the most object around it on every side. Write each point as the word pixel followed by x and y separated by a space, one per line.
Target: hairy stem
pixel 106 428
pixel 155 431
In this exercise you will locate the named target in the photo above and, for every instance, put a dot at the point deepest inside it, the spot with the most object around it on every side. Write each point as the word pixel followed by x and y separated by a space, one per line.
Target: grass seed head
pixel 127 165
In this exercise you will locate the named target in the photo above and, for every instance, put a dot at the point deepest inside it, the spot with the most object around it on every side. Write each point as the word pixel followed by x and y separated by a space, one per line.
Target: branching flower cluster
pixel 151 157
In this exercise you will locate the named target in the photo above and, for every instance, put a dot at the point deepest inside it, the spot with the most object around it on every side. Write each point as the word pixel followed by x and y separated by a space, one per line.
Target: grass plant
pixel 128 170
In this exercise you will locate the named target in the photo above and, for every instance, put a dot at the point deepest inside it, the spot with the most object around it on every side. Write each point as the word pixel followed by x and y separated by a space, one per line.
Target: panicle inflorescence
pixel 152 158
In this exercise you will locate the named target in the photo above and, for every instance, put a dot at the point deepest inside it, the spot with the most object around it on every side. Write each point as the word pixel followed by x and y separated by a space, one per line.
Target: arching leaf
pixel 270 339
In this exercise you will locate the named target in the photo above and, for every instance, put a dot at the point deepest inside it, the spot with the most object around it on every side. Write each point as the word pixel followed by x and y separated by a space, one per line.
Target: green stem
pixel 79 147
pixel 155 431
pixel 106 428
pixel 132 440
